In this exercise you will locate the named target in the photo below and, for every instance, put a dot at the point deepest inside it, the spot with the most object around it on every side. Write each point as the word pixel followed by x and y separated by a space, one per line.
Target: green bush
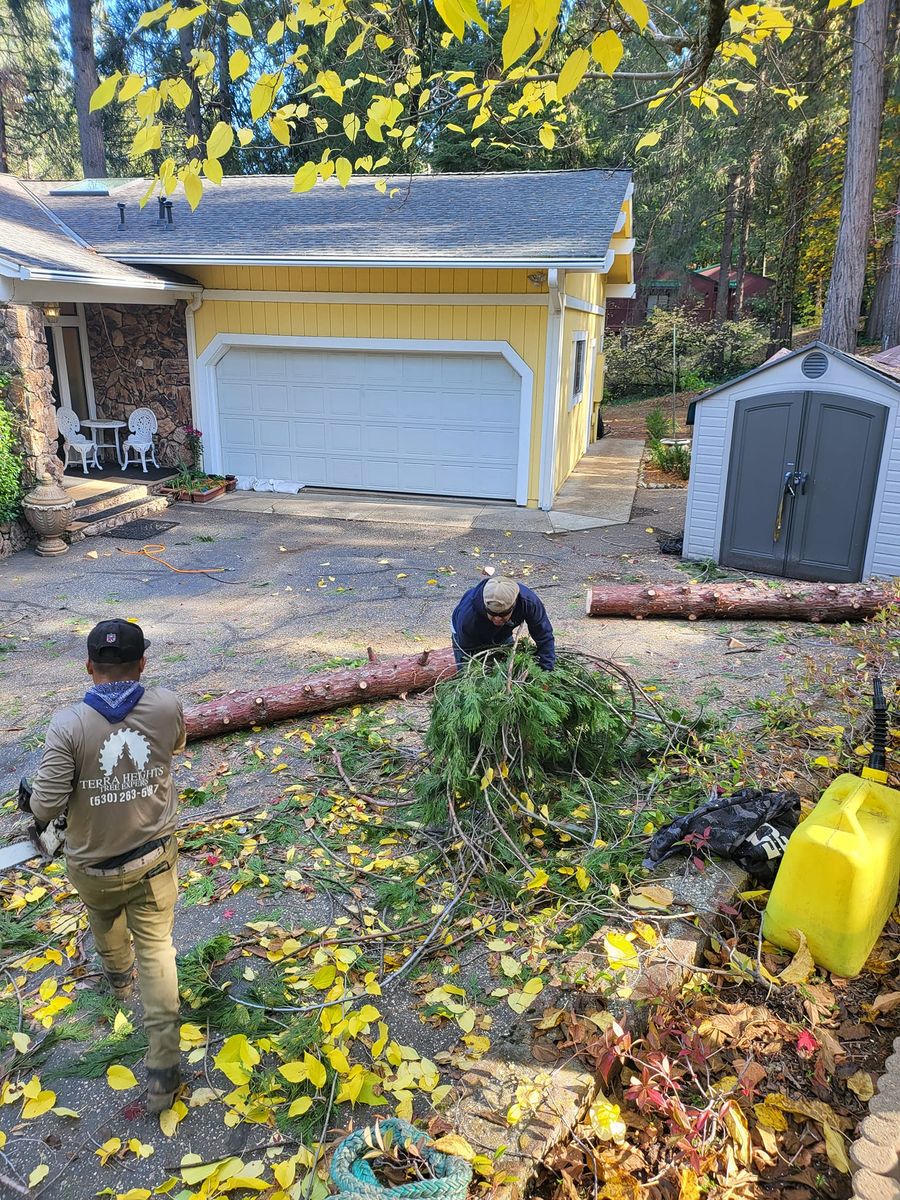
pixel 674 460
pixel 658 425
pixel 693 381
pixel 10 461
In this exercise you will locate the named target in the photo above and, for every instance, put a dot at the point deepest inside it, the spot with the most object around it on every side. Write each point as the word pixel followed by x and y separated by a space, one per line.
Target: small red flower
pixel 807 1045
pixel 228 914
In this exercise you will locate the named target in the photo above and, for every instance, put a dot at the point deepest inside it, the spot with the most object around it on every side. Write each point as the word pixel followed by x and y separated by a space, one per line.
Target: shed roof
pixel 886 366
pixel 527 218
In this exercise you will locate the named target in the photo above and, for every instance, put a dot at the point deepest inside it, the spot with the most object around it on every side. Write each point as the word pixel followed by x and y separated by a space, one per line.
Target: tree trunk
pixel 840 319
pixel 781 333
pixel 320 693
pixel 193 118
pixel 84 66
pixel 890 334
pixel 877 313
pixel 4 146
pixel 793 602
pixel 226 99
pixel 744 234
pixel 727 243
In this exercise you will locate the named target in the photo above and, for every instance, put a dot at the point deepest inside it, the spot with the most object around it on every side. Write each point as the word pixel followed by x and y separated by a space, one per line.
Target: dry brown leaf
pixel 750 1073
pixel 620 1187
pixel 651 895
pixel 736 1124
pixel 814 1110
pixel 801 966
pixel 886 1002
pixel 860 1083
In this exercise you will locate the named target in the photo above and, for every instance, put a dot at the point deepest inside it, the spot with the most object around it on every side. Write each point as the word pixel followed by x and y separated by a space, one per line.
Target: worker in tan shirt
pixel 107 764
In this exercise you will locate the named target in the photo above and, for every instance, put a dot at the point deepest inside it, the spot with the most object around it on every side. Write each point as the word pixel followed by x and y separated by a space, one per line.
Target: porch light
pixel 51 310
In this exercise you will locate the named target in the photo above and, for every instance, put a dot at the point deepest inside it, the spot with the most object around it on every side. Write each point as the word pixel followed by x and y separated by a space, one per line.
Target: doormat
pixel 140 530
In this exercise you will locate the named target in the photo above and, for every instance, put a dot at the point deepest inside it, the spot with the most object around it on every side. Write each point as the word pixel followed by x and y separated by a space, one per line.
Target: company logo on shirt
pixel 121 742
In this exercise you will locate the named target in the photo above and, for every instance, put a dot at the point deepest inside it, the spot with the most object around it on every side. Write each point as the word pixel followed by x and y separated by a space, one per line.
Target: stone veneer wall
pixel 29 397
pixel 139 359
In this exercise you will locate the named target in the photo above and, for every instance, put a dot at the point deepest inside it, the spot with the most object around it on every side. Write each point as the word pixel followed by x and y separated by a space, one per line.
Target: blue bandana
pixel 114 700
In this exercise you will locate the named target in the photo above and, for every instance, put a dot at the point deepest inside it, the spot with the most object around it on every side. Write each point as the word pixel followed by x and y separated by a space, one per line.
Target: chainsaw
pixel 44 841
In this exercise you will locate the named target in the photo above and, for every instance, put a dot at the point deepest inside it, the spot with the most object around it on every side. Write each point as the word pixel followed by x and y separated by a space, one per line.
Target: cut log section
pixel 790 602
pixel 379 680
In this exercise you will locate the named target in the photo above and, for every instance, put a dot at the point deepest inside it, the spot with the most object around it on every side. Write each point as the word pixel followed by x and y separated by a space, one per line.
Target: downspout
pixel 193 306
pixel 553 355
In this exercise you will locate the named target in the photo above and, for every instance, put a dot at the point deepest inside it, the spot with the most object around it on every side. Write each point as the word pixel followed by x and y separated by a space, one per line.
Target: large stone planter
pixel 48 510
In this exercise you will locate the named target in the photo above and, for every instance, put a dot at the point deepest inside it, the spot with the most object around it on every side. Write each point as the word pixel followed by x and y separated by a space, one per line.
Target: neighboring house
pixel 693 291
pixel 447 340
pixel 795 468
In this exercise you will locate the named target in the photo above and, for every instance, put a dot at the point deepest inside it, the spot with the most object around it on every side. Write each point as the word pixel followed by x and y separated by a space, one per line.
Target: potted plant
pixel 192 482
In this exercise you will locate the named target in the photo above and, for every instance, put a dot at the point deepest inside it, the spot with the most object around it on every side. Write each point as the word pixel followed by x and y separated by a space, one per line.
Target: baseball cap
pixel 500 594
pixel 116 642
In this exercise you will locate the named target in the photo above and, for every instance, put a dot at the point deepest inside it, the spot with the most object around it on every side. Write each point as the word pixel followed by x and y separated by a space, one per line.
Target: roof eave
pixel 205 260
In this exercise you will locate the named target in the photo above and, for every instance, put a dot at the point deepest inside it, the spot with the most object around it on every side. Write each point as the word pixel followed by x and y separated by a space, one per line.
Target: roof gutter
pixel 199 260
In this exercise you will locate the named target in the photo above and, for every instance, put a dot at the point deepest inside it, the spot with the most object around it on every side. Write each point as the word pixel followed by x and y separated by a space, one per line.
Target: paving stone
pixel 874 1156
pixel 869 1186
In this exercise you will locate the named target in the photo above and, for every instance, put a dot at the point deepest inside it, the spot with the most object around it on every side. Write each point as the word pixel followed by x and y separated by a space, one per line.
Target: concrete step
pixel 111 518
pixel 114 497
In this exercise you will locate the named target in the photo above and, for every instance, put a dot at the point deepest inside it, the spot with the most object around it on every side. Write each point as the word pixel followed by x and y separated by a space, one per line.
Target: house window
pixel 579 360
pixel 658 300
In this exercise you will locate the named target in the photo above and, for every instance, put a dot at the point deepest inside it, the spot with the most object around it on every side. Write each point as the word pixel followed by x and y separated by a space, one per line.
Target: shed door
pixel 801 485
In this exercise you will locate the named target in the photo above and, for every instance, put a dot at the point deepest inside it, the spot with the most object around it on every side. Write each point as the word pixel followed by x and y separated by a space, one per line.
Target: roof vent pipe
pixel 169 219
pixel 161 214
pixel 121 207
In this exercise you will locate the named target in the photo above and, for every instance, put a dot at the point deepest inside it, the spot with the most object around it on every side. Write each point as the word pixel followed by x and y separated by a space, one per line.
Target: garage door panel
pixel 430 423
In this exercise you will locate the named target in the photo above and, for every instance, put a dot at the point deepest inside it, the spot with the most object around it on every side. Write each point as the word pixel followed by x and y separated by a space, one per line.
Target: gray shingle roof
pixel 534 219
pixel 34 246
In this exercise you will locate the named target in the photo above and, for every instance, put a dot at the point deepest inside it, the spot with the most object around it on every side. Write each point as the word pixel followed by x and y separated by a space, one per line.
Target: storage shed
pixel 795 468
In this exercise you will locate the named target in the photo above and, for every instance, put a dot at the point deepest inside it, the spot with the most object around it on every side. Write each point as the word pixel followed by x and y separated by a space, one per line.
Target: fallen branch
pixel 379 680
pixel 791 602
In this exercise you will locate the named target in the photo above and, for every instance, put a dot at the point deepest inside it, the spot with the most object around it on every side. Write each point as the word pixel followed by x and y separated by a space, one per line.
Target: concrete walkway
pixel 600 491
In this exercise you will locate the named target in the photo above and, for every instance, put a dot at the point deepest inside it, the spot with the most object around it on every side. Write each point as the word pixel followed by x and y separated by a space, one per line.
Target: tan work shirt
pixel 115 778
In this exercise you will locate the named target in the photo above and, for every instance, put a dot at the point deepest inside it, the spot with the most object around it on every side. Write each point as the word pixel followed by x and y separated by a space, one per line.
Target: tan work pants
pixel 140 904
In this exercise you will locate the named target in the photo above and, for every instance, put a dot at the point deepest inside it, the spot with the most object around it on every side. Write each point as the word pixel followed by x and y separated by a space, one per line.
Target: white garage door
pixel 398 421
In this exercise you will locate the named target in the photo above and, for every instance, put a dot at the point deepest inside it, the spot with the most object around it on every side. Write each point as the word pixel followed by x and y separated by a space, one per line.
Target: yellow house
pixel 443 338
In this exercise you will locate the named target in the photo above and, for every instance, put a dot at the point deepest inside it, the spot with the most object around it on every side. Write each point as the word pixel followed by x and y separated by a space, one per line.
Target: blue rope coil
pixel 355 1179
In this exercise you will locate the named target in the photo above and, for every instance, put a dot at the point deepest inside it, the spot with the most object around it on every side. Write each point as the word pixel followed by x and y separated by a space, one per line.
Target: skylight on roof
pixel 89 187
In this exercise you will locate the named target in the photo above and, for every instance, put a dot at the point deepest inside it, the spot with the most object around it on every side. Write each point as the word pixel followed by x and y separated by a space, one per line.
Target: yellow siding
pixel 352 279
pixel 572 421
pixel 523 327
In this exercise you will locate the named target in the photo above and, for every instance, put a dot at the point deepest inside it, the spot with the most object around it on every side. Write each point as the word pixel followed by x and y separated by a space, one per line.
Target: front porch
pixel 108 498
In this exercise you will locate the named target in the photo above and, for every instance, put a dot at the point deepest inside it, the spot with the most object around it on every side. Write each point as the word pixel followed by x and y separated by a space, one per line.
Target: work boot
pixel 164 1085
pixel 121 984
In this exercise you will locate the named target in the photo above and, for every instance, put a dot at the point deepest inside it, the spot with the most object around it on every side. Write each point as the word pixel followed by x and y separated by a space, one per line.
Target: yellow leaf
pixel 573 69
pixel 306 177
pixel 538 880
pixel 649 139
pixel 136 1193
pixel 191 1035
pixel 38 1174
pixel 21 1041
pixel 451 13
pixel 736 1124
pixel 547 134
pixel 180 17
pixel 275 33
pixel 801 966
pixel 301 1105
pixel 606 1122
pixel 688 1184
pixel 59 1111
pixel 638 12
pixel 37 1105
pixel 146 139
pixel 245 136
pixel 120 1078
pixel 770 1117
pixel 193 189
pixel 220 140
pixel 284 1172
pixel 835 1149
pixel 141 1149
pixel 156 14
pixel 130 87
pixel 263 93
pixel 324 977
pixel 108 1149
pixel 510 966
pixel 352 126
pixel 582 878
pixel 121 1024
pixel 466 1020
pixel 281 132
pixel 343 171
pixel 331 85
pixel 47 989
pixel 170 1117
pixel 316 1071
pixel 104 92
pixel 620 952
pixel 452 1143
pixel 180 93
pixel 607 50
pixel 238 65
pixel 860 1083
pixel 236 1059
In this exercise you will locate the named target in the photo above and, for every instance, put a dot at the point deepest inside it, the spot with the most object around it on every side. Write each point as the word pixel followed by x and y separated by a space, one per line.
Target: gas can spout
pixel 877 768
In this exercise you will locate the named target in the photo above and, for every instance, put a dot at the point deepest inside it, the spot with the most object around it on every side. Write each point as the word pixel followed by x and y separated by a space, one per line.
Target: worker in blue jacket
pixel 489 612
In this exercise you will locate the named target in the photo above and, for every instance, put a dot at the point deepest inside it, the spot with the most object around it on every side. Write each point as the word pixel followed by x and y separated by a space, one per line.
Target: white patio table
pixel 101 426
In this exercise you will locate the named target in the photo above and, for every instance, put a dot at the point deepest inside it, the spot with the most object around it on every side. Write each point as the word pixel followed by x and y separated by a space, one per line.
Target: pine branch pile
pixel 525 763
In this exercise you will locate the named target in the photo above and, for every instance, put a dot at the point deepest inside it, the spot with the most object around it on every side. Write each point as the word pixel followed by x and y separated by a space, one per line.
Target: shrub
pixel 10 462
pixel 693 381
pixel 657 424
pixel 674 460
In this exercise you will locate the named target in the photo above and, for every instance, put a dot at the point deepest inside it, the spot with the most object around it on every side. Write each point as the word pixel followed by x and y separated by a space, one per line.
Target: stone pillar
pixel 23 353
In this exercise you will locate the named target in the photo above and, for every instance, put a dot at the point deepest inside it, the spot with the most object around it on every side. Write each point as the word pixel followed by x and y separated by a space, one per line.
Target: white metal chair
pixel 143 425
pixel 74 441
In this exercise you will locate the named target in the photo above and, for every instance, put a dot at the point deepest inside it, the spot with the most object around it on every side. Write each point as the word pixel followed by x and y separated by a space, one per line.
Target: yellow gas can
pixel 839 875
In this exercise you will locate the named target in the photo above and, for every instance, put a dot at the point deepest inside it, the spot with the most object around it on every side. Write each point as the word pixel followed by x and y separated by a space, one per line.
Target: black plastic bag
pixel 751 828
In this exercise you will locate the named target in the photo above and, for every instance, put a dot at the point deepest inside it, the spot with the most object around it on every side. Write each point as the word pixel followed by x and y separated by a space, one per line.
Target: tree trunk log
pixel 843 303
pixel 792 602
pixel 84 68
pixel 724 292
pixel 320 693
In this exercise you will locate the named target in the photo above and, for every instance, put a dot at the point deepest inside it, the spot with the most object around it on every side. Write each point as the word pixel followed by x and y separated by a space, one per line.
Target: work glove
pixel 24 797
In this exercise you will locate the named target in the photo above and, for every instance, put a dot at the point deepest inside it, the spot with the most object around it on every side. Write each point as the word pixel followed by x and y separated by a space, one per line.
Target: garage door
pixel 427 423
